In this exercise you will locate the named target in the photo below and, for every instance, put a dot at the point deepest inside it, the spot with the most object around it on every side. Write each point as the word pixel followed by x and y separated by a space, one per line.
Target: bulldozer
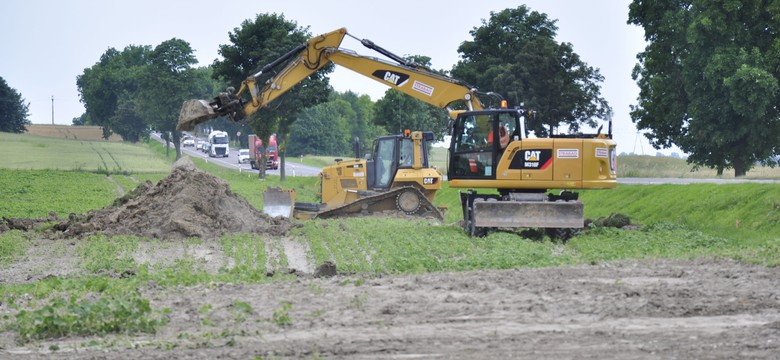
pixel 395 179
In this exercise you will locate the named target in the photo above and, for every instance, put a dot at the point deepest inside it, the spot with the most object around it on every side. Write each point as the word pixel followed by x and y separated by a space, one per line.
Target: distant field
pixel 89 133
pixel 669 167
pixel 32 152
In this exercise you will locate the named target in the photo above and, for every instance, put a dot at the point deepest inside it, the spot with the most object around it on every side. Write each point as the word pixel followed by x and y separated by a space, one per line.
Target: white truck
pixel 218 141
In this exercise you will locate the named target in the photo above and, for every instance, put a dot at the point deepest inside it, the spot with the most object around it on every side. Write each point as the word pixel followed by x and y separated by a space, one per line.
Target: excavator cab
pixel 479 140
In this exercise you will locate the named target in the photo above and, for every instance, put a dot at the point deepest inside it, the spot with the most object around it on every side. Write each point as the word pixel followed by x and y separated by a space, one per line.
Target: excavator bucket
pixel 278 202
pixel 194 112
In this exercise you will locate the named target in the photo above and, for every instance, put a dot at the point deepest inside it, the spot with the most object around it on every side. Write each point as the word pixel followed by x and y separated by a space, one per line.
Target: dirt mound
pixel 188 203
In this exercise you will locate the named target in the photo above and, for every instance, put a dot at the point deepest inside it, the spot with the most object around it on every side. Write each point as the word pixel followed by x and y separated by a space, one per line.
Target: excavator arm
pixel 409 78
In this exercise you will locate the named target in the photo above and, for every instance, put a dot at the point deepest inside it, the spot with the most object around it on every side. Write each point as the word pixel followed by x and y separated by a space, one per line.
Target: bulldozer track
pixel 389 203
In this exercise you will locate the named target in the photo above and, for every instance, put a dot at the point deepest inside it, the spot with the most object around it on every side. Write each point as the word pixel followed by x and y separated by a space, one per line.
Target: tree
pixel 112 80
pixel 13 110
pixel 708 79
pixel 126 121
pixel 515 54
pixel 322 129
pixel 330 128
pixel 259 42
pixel 396 111
pixel 82 120
pixel 165 83
pixel 361 125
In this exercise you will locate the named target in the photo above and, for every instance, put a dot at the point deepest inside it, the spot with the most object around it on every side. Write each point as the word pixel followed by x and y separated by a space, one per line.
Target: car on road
pixel 188 142
pixel 243 156
pixel 200 145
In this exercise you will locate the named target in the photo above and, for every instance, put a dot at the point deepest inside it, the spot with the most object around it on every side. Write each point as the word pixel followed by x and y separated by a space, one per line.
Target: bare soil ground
pixel 710 308
pixel 628 310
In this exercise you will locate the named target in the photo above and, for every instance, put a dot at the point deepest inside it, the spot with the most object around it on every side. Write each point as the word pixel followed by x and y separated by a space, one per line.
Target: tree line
pixel 708 81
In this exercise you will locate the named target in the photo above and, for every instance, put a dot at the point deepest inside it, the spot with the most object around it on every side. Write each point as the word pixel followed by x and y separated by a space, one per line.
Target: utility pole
pixel 52 109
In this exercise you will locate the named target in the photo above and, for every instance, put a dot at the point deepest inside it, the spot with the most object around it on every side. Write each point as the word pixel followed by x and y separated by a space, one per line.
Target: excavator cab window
pixel 472 154
pixel 478 141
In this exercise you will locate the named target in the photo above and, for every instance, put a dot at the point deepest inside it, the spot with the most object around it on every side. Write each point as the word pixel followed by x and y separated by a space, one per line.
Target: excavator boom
pixel 411 79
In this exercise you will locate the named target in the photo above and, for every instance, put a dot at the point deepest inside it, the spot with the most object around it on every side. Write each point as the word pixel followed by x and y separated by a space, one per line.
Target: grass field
pixel 85 133
pixel 30 152
pixel 745 216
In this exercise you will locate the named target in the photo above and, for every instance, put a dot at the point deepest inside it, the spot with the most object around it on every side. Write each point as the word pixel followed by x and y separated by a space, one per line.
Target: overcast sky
pixel 46 44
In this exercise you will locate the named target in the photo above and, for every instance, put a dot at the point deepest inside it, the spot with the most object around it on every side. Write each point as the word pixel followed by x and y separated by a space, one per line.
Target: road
pixel 292 168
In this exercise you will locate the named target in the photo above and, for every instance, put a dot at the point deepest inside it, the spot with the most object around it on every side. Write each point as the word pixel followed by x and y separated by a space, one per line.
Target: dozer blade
pixel 278 202
pixel 531 214
pixel 194 112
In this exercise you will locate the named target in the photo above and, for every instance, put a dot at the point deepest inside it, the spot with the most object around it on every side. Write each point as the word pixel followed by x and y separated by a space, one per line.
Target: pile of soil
pixel 188 203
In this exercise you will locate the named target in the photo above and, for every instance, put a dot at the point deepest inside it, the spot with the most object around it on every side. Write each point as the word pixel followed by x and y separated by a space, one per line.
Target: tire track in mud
pixel 288 256
pixel 119 188
pixel 102 160
pixel 99 153
pixel 118 165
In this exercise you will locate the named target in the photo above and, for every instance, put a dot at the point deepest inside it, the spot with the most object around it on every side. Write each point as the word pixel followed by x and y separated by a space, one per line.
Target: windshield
pixel 243 152
pixel 219 140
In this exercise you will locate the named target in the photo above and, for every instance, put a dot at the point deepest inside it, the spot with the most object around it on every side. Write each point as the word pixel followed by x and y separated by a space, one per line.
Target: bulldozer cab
pixel 396 152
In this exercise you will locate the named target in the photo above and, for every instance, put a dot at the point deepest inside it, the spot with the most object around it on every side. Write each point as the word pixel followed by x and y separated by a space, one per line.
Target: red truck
pixel 271 152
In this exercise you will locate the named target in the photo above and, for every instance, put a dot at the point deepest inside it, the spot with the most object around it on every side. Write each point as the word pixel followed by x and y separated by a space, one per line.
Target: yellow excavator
pixel 490 148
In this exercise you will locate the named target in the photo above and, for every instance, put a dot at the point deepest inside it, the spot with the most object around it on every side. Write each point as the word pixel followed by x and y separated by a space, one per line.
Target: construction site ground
pixel 649 309
pixel 704 309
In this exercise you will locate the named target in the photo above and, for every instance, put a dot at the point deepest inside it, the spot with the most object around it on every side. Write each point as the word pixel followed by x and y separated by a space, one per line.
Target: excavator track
pixel 400 202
